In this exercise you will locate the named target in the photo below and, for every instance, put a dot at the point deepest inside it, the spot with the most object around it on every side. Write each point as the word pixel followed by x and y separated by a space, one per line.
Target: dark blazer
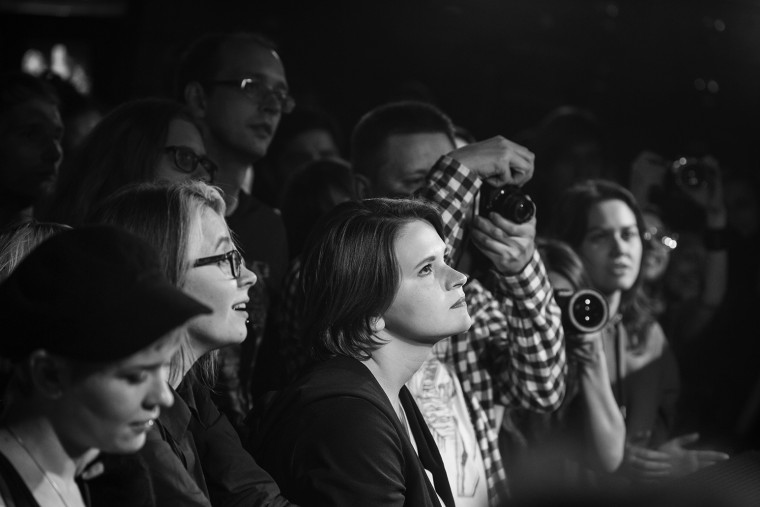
pixel 333 439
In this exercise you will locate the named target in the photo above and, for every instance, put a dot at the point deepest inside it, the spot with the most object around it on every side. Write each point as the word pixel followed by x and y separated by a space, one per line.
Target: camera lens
pixel 511 203
pixel 583 311
pixel 690 172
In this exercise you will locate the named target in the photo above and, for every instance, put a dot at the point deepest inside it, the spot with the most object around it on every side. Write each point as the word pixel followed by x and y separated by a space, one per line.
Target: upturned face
pixel 429 304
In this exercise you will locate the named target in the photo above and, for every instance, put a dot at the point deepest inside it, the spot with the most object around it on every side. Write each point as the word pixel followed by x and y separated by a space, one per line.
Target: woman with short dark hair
pixel 378 294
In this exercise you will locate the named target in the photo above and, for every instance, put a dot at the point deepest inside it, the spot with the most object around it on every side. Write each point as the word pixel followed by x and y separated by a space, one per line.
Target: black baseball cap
pixel 92 294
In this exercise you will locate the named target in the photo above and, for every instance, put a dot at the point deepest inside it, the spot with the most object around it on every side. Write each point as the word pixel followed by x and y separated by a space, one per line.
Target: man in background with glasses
pixel 235 86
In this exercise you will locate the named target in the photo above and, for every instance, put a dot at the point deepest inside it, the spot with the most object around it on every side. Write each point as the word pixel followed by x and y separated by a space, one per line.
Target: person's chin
pixel 127 444
pixel 461 326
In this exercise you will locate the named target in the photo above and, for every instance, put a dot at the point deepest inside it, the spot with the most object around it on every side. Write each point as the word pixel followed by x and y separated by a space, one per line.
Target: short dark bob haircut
pixel 350 272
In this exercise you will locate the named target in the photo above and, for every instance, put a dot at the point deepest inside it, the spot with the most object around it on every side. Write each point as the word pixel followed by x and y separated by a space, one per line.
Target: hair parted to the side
pixel 164 214
pixel 200 60
pixel 350 272
pixel 404 117
pixel 124 147
pixel 571 225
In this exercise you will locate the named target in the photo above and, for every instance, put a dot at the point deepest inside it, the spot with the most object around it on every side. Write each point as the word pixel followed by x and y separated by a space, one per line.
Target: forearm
pixel 716 265
pixel 453 187
pixel 604 426
pixel 536 337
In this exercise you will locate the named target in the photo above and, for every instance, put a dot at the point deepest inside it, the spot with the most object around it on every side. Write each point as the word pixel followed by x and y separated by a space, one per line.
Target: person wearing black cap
pixel 90 323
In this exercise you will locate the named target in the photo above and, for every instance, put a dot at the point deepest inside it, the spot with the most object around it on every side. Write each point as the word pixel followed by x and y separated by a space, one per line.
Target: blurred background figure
pixel 143 140
pixel 603 223
pixel 31 131
pixel 305 135
pixel 570 146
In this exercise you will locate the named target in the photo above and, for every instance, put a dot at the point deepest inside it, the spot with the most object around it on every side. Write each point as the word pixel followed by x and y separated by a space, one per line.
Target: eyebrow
pixel 425 261
pixel 222 241
pixel 432 258
pixel 608 229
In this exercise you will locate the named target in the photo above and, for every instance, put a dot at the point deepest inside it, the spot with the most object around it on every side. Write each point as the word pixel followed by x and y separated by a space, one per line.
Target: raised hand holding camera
pixel 498 161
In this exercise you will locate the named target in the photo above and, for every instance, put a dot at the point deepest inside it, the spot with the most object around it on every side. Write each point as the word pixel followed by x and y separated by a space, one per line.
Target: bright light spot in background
pixel 33 62
pixel 61 62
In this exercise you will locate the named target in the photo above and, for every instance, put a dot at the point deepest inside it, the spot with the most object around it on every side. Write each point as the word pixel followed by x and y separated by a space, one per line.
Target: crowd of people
pixel 213 300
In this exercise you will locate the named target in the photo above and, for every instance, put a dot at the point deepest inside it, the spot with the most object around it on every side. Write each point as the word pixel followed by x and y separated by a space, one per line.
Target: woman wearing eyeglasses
pixel 194 455
pixel 142 140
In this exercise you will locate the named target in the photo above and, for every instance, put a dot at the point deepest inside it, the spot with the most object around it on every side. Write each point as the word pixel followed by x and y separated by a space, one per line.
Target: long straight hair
pixel 164 214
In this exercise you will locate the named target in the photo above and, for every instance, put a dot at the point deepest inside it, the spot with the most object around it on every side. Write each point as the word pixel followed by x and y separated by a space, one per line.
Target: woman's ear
pixel 49 374
pixel 377 324
pixel 195 97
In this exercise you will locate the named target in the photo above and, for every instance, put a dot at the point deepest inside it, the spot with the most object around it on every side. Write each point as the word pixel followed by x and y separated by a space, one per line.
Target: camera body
pixel 690 172
pixel 583 311
pixel 512 203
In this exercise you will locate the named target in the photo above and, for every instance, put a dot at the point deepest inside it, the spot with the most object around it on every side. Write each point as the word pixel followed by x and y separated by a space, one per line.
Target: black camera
pixel 511 203
pixel 583 311
pixel 690 172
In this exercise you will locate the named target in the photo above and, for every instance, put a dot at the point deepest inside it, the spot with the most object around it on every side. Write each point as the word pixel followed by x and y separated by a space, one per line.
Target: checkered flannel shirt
pixel 512 355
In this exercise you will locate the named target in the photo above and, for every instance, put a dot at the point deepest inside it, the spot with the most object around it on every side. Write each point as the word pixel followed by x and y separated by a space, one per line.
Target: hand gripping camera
pixel 583 311
pixel 511 203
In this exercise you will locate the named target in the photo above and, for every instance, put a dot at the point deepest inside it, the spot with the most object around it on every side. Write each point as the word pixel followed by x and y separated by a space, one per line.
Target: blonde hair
pixel 16 242
pixel 164 214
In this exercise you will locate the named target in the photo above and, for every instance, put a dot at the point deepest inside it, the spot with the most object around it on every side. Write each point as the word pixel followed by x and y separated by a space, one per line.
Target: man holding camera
pixel 513 355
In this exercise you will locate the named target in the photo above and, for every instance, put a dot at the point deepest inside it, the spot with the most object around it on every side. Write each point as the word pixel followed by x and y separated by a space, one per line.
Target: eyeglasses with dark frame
pixel 187 161
pixel 233 258
pixel 256 89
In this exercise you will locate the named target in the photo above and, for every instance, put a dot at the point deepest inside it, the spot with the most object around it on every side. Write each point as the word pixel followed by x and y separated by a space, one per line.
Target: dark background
pixel 496 66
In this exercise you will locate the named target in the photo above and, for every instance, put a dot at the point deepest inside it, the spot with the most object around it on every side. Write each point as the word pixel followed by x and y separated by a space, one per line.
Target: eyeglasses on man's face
pixel 229 262
pixel 187 161
pixel 258 90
